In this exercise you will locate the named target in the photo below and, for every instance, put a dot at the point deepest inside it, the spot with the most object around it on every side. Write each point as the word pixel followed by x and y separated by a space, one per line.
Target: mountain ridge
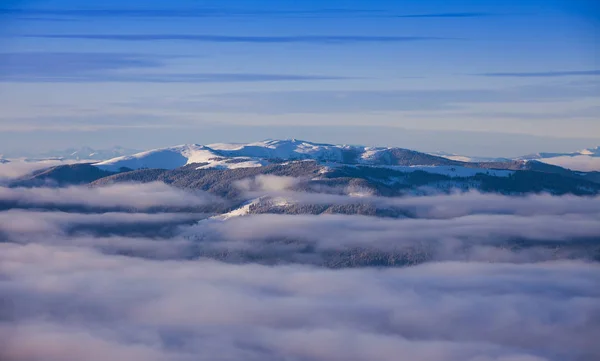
pixel 585 160
pixel 238 155
pixel 385 171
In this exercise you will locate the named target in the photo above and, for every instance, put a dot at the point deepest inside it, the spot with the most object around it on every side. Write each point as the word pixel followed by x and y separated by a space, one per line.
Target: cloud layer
pixel 97 273
pixel 73 304
pixel 123 196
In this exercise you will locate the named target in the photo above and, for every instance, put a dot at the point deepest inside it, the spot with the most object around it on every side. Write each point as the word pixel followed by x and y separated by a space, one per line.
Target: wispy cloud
pixel 141 197
pixel 310 102
pixel 44 14
pixel 110 67
pixel 185 12
pixel 544 74
pixel 165 78
pixel 307 39
pixel 34 64
pixel 446 15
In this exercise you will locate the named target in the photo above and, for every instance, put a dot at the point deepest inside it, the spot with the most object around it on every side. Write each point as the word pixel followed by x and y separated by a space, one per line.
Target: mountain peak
pixel 237 155
pixel 268 151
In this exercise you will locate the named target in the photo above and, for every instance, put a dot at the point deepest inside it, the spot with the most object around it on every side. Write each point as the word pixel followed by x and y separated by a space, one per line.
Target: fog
pixel 475 277
pixel 130 196
pixel 17 168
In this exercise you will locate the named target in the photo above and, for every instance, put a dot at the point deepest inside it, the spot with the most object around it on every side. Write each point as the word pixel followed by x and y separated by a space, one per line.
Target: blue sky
pixel 478 77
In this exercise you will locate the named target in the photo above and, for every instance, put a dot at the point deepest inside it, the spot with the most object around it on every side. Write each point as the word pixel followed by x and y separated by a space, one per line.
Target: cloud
pixel 66 14
pixel 166 78
pixel 18 168
pixel 545 74
pixel 446 15
pixel 351 101
pixel 302 39
pixel 91 121
pixel 69 301
pixel 442 206
pixel 145 197
pixel 23 225
pixel 17 64
pixel 73 67
pixel 348 240
pixel 268 183
pixel 324 229
pixel 501 279
pixel 186 12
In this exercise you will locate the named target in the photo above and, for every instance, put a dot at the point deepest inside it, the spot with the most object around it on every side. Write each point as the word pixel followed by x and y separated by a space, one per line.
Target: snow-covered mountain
pixel 82 153
pixel 586 160
pixel 87 153
pixel 471 159
pixel 233 156
pixel 592 152
pixel 375 170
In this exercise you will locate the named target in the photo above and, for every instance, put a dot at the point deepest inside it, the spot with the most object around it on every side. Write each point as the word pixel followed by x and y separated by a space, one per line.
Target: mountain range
pixel 585 160
pixel 81 153
pixel 318 168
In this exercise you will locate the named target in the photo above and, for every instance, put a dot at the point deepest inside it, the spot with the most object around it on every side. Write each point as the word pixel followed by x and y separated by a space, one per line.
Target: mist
pixel 100 272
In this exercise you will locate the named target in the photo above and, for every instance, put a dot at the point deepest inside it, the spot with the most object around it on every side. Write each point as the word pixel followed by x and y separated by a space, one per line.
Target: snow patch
pixel 243 210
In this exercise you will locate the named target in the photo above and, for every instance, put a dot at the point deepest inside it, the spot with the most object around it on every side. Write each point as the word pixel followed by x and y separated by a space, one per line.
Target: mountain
pixel 592 152
pixel 231 156
pixel 586 160
pixel 464 158
pixel 259 154
pixel 83 154
pixel 62 175
pixel 383 181
pixel 375 170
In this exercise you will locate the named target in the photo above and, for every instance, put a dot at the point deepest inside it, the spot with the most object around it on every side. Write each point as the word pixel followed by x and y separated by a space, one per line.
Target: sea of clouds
pixel 149 272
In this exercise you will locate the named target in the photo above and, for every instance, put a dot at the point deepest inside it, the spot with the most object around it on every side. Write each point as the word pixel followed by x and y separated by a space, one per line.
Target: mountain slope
pixel 229 156
pixel 233 156
pixel 62 175
pixel 313 177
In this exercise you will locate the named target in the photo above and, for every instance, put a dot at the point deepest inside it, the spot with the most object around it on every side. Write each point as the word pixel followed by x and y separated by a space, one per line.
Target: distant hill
pixel 76 154
pixel 586 160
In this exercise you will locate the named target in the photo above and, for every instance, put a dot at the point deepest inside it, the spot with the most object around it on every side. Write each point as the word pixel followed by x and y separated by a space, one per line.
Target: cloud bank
pixel 97 273
pixel 73 304
pixel 121 196
pixel 18 168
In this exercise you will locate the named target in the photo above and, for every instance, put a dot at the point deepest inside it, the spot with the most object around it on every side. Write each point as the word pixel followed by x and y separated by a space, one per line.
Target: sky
pixel 472 77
